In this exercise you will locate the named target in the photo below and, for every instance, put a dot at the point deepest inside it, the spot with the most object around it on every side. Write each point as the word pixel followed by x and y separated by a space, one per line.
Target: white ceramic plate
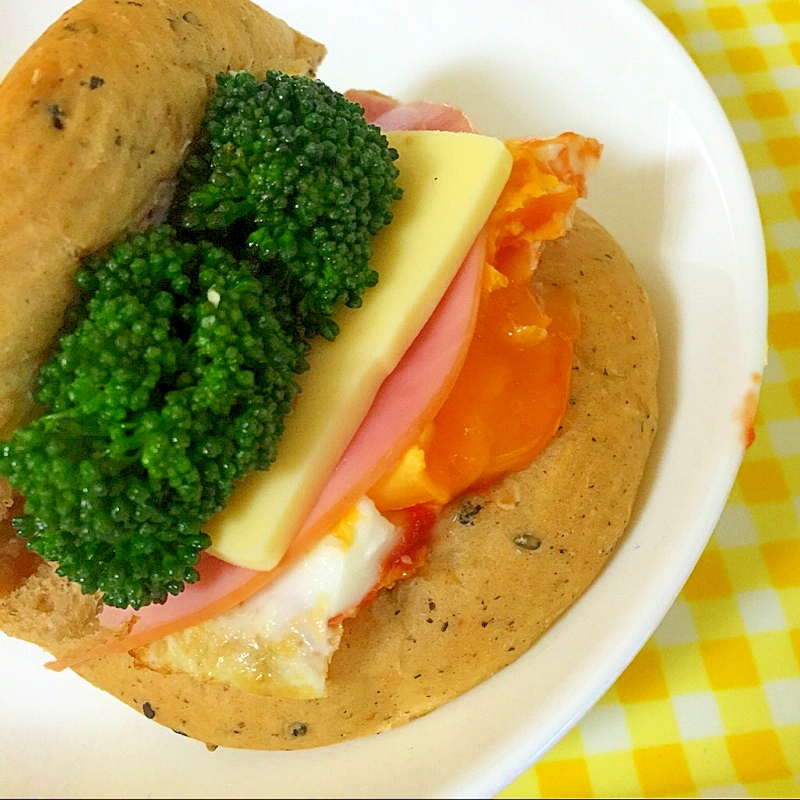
pixel 674 190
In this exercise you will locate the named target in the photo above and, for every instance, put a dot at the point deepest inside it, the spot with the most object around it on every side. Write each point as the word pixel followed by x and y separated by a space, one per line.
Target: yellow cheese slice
pixel 450 183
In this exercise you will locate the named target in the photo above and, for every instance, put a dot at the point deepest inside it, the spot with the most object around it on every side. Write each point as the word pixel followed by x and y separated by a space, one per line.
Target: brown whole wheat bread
pixel 503 566
pixel 95 119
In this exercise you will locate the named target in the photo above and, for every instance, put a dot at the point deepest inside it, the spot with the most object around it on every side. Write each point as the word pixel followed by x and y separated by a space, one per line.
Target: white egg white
pixel 280 641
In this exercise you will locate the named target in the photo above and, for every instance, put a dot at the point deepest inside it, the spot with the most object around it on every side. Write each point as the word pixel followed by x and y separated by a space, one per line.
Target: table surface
pixel 711 706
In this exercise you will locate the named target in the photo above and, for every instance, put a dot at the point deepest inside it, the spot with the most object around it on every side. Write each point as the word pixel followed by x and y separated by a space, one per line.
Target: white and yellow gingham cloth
pixel 711 706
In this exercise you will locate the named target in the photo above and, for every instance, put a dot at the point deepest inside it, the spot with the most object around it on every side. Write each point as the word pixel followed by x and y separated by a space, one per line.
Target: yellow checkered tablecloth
pixel 711 705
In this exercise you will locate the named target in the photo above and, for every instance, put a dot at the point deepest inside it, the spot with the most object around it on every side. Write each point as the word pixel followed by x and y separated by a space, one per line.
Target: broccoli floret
pixel 176 380
pixel 294 169
pixel 175 369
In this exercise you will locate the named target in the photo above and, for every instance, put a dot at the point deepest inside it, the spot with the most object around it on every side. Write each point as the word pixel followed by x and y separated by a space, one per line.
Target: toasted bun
pixel 483 599
pixel 95 119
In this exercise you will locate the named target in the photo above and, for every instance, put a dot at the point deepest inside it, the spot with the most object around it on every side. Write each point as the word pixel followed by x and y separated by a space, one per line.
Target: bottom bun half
pixel 504 565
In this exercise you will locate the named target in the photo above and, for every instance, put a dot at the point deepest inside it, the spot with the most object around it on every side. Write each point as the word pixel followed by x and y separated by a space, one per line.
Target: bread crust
pixel 95 119
pixel 483 599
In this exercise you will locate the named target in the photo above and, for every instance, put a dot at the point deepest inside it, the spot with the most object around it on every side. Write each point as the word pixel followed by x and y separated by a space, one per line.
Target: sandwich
pixel 460 448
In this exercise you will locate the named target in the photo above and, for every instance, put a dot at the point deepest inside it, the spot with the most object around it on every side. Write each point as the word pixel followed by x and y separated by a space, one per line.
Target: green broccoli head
pixel 175 369
pixel 175 379
pixel 296 171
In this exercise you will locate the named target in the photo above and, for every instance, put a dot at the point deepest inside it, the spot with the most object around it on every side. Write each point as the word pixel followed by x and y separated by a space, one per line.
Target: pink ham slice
pixel 374 104
pixel 406 402
pixel 390 115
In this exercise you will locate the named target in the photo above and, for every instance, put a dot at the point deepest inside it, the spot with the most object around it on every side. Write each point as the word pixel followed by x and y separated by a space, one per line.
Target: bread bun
pixel 95 119
pixel 503 567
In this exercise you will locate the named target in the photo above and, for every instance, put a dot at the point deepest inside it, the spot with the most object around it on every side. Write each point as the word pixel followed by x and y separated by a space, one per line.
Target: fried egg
pixel 281 640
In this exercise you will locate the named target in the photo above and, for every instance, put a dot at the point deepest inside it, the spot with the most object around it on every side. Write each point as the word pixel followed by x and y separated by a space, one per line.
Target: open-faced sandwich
pixel 316 409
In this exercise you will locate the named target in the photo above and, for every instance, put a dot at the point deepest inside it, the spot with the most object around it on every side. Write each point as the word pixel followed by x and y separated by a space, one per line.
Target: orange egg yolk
pixel 513 389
